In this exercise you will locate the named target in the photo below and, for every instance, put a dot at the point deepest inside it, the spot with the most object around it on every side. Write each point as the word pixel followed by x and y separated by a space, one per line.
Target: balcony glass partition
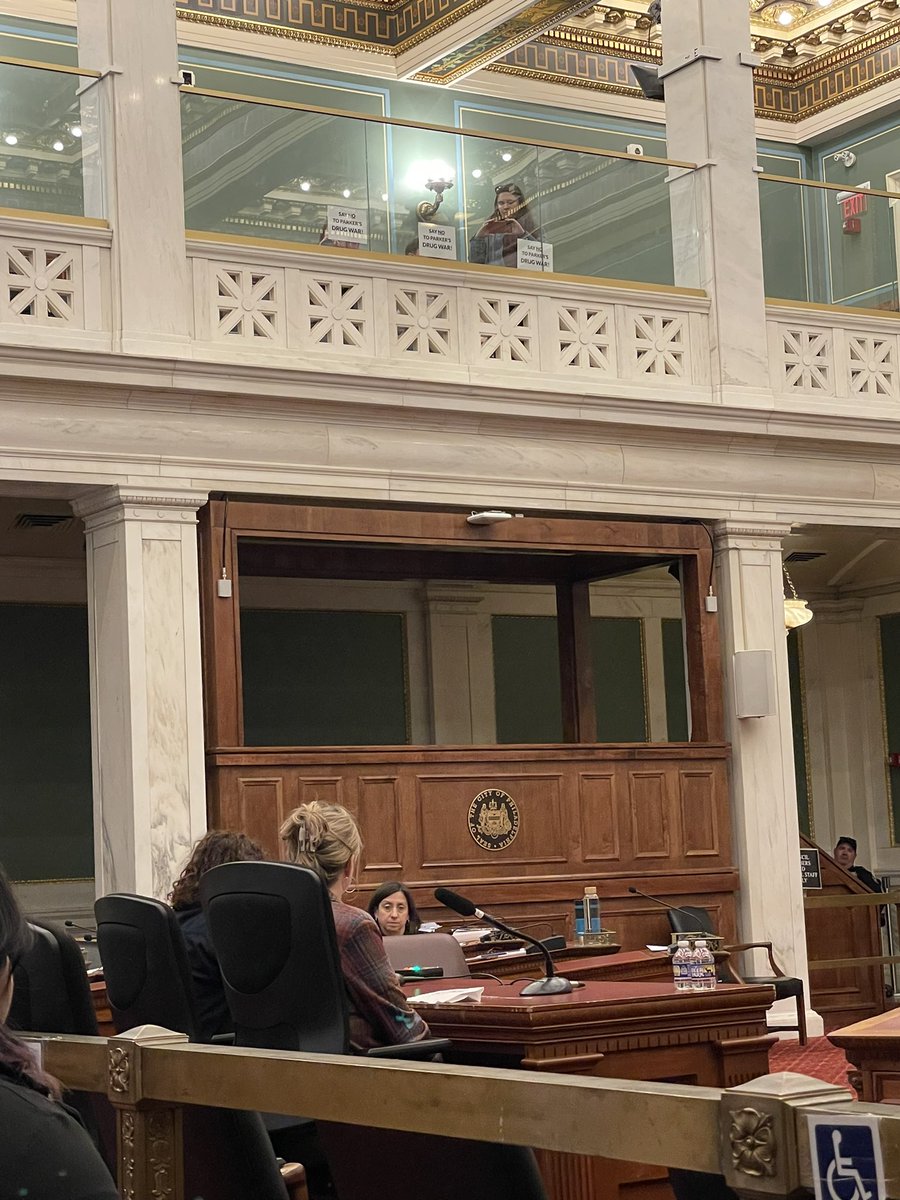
pixel 829 245
pixel 310 176
pixel 49 140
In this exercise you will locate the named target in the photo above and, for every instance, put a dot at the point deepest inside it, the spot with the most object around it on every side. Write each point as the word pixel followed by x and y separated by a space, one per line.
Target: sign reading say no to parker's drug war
pixel 534 256
pixel 436 241
pixel 347 225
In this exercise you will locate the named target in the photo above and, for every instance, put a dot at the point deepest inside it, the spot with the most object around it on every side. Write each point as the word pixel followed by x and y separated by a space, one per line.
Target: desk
pixel 623 1030
pixel 873 1046
pixel 578 962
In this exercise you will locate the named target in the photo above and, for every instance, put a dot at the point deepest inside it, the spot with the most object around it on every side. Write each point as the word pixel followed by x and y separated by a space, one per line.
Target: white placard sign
pixel 436 241
pixel 534 256
pixel 347 225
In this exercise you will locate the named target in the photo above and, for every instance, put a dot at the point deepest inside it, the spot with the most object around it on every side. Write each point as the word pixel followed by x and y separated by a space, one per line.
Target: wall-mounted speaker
pixel 754 684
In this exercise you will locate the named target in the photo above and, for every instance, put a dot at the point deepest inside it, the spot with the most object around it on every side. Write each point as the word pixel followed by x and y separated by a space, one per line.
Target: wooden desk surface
pixel 873 1047
pixel 578 962
pixel 624 1029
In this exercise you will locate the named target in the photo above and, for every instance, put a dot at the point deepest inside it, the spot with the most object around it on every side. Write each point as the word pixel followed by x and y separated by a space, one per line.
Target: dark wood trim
pixel 576 672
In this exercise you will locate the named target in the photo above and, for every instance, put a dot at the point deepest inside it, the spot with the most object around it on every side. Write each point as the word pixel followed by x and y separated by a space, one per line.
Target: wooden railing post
pixel 760 1137
pixel 149 1150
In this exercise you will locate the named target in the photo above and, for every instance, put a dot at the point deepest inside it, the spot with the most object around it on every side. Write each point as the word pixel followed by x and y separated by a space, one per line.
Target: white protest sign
pixel 436 241
pixel 534 256
pixel 347 225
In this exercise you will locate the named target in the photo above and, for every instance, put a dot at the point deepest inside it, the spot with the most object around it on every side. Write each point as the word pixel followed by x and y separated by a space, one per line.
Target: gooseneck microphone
pixel 540 987
pixel 662 903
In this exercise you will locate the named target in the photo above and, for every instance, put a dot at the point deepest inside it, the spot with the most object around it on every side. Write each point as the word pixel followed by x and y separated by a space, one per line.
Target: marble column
pixel 838 692
pixel 461 665
pixel 146 691
pixel 137 110
pixel 707 69
pixel 763 791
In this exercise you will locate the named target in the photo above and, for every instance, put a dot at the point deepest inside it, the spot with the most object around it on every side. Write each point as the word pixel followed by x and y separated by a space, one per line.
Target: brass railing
pixel 755 1135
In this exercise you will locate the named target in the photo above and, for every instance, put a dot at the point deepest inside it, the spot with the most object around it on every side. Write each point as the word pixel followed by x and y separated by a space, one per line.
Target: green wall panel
pixel 46 826
pixel 526 679
pixel 324 678
pixel 617 647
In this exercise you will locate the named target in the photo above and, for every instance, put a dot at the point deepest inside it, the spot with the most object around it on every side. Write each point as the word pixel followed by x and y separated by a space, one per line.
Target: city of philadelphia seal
pixel 493 819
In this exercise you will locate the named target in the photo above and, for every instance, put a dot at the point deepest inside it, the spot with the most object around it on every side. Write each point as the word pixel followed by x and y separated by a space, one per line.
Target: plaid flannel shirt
pixel 379 1013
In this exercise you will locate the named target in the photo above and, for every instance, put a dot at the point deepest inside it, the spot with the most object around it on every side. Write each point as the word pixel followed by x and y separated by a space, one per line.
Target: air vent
pixel 804 556
pixel 42 521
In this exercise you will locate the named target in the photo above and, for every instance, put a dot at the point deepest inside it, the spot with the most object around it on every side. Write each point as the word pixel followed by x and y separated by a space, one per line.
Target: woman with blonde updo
pixel 324 837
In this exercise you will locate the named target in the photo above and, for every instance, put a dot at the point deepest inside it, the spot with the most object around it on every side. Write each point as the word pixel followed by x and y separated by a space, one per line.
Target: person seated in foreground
pixel 394 910
pixel 214 848
pixel 845 856
pixel 45 1152
pixel 325 838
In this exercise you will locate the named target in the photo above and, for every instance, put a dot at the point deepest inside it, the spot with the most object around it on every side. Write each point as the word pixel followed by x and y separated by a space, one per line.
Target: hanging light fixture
pixel 796 611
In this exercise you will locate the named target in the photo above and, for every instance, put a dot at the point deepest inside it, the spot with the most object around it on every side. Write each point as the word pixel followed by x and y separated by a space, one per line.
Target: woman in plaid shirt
pixel 325 838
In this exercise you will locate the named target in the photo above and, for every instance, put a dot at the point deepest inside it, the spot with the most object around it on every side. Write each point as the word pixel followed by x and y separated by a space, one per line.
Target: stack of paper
pixel 448 996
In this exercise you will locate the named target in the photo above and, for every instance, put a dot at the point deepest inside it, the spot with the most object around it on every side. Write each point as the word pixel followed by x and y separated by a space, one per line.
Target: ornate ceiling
pixel 815 53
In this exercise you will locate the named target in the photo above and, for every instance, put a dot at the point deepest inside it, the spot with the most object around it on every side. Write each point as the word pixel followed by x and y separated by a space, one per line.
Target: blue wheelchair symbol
pixel 846 1163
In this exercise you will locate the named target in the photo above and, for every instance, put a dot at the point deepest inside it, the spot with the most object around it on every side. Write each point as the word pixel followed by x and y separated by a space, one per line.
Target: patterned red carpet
pixel 817 1058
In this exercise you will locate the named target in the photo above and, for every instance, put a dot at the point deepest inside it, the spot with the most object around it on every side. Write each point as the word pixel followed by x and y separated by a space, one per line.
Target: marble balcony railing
pixel 332 312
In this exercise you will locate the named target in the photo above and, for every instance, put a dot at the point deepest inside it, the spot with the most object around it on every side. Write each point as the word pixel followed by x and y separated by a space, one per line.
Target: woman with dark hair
pixel 44 1150
pixel 497 241
pixel 394 910
pixel 214 848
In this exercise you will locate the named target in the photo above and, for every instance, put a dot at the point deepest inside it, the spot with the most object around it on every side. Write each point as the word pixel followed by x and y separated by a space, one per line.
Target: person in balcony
pixel 845 856
pixel 325 838
pixel 497 241
pixel 44 1149
pixel 394 910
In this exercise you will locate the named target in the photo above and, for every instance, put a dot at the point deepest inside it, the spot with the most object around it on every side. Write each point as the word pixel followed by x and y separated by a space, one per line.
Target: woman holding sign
pixel 497 241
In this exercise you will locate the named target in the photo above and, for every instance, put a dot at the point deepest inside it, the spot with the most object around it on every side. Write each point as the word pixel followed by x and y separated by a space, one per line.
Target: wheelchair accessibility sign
pixel 846 1158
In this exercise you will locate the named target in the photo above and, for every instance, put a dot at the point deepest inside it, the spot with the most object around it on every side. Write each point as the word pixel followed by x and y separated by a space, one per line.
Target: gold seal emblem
pixel 493 819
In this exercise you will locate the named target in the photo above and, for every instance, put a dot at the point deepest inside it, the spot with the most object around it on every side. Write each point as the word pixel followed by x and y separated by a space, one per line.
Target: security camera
pixel 847 157
pixel 648 80
pixel 635 148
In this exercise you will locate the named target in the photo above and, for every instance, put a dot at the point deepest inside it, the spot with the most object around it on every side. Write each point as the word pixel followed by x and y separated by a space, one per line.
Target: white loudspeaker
pixel 754 683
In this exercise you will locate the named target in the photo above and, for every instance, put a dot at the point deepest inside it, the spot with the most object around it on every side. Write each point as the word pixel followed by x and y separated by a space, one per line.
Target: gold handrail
pixel 829 187
pixel 404 124
pixel 60 68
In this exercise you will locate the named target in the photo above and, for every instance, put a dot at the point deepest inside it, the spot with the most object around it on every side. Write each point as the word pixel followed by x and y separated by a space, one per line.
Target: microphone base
pixel 553 984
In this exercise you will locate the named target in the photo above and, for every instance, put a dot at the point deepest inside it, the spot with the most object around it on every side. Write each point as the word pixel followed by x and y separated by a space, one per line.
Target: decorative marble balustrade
pixel 339 313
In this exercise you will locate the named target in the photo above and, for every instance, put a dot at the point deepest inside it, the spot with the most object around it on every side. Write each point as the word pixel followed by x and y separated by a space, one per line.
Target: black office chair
pixel 51 994
pixel 689 919
pixel 228 1153
pixel 273 931
pixel 145 964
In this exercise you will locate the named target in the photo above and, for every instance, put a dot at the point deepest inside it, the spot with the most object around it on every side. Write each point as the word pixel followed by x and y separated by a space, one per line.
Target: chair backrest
pixel 273 931
pixel 427 950
pixel 688 919
pixel 369 1162
pixel 145 964
pixel 52 993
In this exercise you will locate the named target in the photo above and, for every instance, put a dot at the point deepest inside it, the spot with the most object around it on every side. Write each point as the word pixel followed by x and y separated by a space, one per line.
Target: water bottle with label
pixel 707 967
pixel 579 922
pixel 681 967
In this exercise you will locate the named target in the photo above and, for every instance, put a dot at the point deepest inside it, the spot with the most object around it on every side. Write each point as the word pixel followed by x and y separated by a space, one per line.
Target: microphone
pixel 662 903
pixel 551 983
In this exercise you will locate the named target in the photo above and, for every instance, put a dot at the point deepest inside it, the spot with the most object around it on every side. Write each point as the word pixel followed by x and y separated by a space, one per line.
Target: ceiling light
pixel 488 516
pixel 785 18
pixel 506 156
pixel 58 145
pixel 10 139
pixel 305 185
pixel 796 611
pixel 75 130
pixel 346 193
pixel 422 170
pixel 476 174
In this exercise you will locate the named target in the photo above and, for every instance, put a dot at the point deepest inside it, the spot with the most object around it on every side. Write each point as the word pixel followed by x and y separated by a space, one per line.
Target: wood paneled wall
pixel 656 817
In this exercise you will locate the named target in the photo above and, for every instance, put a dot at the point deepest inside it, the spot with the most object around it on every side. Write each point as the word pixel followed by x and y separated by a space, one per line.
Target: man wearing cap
pixel 845 856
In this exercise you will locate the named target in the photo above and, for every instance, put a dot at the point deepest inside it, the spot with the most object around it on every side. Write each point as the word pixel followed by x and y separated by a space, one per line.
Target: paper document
pixel 470 935
pixel 657 948
pixel 448 996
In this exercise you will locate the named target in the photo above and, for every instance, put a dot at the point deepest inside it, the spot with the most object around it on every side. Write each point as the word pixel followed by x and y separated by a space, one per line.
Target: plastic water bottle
pixel 681 967
pixel 706 965
pixel 591 915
